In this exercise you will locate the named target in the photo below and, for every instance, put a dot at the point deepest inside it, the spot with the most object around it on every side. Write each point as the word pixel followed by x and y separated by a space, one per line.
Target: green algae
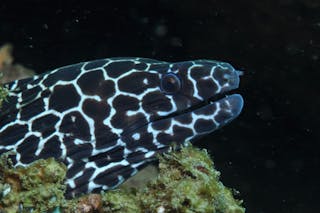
pixel 121 200
pixel 3 94
pixel 38 187
pixel 187 182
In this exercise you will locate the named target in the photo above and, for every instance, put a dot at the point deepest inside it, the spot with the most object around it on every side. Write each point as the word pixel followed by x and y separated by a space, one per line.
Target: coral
pixel 8 70
pixel 5 55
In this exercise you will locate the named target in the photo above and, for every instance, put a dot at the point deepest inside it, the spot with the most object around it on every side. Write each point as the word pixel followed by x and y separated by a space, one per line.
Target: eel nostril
pixel 240 72
pixel 232 78
pixel 227 76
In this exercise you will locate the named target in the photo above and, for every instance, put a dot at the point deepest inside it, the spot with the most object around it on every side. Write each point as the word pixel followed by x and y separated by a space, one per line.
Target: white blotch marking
pixel 136 136
pixel 149 154
pixel 145 81
pixel 6 190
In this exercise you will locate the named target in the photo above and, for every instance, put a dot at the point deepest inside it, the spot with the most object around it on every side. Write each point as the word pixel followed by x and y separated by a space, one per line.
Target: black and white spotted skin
pixel 107 118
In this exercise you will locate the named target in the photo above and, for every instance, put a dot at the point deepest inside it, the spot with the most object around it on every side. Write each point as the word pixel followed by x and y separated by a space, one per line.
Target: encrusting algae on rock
pixel 3 94
pixel 38 187
pixel 187 182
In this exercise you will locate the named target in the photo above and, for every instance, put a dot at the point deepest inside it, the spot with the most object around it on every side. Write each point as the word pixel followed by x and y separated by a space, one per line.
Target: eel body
pixel 105 119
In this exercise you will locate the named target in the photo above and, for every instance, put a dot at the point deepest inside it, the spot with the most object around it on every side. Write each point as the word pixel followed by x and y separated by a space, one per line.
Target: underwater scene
pixel 159 106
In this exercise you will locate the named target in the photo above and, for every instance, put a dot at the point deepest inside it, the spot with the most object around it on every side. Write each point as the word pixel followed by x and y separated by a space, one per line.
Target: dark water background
pixel 271 152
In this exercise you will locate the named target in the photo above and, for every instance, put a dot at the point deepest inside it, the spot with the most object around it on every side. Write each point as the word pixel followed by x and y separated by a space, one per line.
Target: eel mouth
pixel 218 110
pixel 235 102
pixel 232 103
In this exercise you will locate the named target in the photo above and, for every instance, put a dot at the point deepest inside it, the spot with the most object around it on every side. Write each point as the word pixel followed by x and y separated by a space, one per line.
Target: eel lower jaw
pixel 221 111
pixel 234 103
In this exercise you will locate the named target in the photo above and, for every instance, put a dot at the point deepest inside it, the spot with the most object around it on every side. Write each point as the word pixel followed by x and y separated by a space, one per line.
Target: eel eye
pixel 170 83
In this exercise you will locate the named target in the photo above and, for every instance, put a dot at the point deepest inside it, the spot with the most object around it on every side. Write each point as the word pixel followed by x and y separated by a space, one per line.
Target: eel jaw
pixel 222 108
pixel 189 125
pixel 232 104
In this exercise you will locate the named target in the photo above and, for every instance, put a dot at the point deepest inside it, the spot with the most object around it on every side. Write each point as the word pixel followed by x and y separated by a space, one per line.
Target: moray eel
pixel 105 119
